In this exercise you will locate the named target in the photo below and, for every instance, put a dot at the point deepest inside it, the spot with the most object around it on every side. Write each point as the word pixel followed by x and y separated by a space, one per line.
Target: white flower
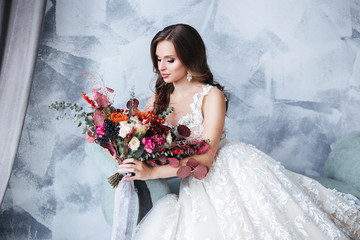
pixel 125 129
pixel 122 123
pixel 169 138
pixel 134 119
pixel 141 128
pixel 134 143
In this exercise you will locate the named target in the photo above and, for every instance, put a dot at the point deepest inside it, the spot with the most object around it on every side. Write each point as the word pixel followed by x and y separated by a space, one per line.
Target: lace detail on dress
pixel 194 120
pixel 248 195
pixel 257 198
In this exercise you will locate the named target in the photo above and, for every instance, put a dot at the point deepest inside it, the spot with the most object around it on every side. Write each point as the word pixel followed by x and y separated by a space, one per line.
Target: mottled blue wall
pixel 292 68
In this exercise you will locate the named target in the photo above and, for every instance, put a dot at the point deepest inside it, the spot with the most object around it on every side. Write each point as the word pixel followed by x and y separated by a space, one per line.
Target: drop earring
pixel 189 76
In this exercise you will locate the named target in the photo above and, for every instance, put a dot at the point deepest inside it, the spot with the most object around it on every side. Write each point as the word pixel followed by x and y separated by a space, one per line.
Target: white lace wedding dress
pixel 248 195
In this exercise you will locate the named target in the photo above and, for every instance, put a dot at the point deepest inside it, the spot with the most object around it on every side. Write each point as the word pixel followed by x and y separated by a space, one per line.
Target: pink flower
pixel 159 140
pixel 100 130
pixel 149 144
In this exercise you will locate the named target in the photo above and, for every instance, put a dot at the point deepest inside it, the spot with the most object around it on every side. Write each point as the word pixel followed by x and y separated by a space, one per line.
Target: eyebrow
pixel 172 56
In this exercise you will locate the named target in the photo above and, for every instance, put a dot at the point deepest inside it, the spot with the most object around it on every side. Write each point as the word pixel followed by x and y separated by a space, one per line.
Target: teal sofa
pixel 342 168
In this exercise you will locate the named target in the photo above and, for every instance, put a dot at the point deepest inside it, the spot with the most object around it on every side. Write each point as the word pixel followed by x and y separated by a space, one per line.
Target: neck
pixel 183 87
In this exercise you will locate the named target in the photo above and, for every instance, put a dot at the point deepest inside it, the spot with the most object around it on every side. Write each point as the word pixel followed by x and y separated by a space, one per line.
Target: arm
pixel 214 110
pixel 214 119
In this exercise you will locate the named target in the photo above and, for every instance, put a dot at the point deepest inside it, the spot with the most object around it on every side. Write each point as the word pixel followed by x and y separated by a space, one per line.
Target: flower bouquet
pixel 131 133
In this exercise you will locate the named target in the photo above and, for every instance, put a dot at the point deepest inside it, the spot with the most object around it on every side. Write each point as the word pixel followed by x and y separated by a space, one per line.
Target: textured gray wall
pixel 292 68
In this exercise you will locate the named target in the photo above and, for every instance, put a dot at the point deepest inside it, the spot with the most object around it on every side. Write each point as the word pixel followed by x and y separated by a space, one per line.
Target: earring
pixel 189 76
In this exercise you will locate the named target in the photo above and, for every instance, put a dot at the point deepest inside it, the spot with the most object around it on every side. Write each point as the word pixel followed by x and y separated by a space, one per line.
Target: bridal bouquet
pixel 131 133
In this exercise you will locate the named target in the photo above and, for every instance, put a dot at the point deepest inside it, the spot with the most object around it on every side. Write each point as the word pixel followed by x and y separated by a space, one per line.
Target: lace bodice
pixel 194 119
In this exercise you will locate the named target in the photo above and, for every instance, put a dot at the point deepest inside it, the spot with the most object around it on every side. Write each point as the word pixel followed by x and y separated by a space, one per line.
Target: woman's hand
pixel 140 169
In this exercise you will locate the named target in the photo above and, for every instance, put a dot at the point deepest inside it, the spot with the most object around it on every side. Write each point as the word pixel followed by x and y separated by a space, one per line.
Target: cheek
pixel 179 68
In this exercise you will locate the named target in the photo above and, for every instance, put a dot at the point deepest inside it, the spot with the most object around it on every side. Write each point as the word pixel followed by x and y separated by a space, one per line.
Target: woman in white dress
pixel 246 194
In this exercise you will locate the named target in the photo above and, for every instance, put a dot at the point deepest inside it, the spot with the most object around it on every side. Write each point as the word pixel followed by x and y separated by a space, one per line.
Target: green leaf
pixel 138 152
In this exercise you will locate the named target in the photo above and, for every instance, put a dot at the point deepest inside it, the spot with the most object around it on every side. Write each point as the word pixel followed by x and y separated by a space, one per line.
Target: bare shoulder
pixel 215 96
pixel 214 111
pixel 214 102
pixel 216 92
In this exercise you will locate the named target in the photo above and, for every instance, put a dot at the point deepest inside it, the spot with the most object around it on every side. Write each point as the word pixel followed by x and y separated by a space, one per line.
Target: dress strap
pixel 198 99
pixel 206 89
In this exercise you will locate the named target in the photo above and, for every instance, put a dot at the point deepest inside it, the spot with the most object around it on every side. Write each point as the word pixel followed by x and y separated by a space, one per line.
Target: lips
pixel 165 75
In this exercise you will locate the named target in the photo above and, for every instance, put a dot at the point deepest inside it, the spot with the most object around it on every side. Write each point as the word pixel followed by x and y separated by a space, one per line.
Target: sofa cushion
pixel 338 185
pixel 343 163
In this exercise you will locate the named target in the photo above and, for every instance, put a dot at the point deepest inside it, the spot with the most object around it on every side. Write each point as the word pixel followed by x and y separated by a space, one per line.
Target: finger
pixel 130 160
pixel 127 165
pixel 127 168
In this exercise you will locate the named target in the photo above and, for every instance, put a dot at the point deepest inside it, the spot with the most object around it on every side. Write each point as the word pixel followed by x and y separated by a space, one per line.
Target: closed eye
pixel 168 59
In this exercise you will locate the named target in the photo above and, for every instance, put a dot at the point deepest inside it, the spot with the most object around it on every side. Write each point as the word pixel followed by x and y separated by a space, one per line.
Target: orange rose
pixel 119 117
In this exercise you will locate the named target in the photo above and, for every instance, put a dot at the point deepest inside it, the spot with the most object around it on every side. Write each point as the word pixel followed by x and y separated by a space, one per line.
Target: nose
pixel 162 65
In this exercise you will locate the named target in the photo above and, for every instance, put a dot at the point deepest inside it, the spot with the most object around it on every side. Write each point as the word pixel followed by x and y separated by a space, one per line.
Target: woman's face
pixel 169 64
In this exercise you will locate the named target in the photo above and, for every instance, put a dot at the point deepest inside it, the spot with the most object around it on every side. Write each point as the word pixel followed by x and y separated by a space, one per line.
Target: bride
pixel 246 194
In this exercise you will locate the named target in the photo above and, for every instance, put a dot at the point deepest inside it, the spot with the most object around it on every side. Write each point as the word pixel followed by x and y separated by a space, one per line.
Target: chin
pixel 168 80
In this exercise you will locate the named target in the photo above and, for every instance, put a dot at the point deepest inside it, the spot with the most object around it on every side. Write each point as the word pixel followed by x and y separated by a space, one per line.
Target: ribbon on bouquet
pixel 124 211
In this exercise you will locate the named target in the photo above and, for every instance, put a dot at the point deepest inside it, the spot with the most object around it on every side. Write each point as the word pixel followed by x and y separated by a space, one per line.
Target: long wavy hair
pixel 190 49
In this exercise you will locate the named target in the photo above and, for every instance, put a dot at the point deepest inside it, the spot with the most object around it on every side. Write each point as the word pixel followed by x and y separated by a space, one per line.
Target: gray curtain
pixel 20 29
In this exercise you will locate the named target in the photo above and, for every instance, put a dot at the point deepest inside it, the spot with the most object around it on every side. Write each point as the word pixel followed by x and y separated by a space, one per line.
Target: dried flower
pixel 101 99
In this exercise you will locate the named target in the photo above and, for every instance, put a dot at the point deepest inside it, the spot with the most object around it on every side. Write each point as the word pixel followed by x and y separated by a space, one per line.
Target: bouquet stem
pixel 114 179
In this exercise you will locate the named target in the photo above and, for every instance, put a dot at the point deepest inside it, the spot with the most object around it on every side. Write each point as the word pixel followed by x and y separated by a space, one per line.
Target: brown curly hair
pixel 191 51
